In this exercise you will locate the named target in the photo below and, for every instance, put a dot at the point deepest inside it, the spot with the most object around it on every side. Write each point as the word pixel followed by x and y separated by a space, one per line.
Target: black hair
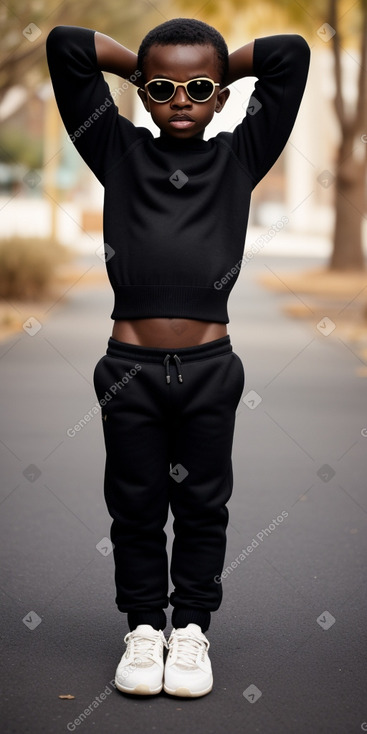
pixel 185 31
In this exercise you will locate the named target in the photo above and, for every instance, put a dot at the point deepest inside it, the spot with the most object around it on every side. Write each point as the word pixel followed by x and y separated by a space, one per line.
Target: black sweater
pixel 173 236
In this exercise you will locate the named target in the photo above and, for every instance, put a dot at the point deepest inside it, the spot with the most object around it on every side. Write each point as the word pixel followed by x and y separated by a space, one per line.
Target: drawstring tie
pixel 166 364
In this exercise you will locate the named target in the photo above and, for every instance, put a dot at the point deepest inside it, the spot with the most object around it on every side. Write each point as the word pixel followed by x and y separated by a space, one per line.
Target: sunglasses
pixel 199 90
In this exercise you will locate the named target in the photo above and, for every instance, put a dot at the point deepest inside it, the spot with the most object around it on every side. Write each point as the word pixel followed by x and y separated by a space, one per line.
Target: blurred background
pixel 298 320
pixel 51 204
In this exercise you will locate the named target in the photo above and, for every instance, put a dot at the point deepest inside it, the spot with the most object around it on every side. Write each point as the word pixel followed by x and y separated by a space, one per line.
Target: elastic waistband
pixel 213 348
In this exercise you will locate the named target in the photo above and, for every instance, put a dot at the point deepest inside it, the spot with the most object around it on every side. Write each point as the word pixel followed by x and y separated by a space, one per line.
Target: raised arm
pixel 113 57
pixel 281 64
pixel 88 110
pixel 240 63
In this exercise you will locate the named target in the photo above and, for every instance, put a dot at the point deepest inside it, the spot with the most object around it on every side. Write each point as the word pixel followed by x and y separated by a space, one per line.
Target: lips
pixel 177 118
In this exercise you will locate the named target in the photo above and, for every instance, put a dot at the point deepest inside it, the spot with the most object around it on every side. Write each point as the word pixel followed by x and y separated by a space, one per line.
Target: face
pixel 181 63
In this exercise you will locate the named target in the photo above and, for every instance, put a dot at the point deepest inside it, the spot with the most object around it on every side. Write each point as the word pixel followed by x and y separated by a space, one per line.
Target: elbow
pixel 281 52
pixel 300 47
pixel 296 53
pixel 57 38
pixel 56 33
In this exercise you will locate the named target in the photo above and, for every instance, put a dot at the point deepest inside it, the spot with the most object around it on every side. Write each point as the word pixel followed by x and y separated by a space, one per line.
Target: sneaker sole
pixel 140 690
pixel 186 693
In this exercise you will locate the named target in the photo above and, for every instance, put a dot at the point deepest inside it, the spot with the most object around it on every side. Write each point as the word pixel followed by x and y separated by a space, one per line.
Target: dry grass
pixel 27 267
pixel 35 276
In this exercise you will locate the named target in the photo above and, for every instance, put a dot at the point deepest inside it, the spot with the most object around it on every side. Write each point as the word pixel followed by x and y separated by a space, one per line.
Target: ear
pixel 144 98
pixel 222 97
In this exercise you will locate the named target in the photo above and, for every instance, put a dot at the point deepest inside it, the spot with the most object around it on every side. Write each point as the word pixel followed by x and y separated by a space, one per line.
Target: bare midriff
pixel 167 333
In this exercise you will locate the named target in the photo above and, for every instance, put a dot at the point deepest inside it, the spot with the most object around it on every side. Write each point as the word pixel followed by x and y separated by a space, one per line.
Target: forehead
pixel 181 62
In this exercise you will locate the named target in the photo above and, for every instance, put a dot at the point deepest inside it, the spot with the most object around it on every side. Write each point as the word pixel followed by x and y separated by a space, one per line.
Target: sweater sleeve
pixel 281 64
pixel 89 113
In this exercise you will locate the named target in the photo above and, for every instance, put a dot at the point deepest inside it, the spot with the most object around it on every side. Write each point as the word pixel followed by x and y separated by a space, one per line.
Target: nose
pixel 180 97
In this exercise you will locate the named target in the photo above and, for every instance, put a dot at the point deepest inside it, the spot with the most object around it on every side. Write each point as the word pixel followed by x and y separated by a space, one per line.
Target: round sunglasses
pixel 200 89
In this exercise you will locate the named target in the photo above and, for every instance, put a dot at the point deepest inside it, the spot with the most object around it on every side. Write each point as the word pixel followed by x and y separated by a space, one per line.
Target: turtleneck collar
pixel 168 142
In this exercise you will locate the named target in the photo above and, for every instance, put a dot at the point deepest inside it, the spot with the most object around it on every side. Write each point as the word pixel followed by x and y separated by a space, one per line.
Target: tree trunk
pixel 349 208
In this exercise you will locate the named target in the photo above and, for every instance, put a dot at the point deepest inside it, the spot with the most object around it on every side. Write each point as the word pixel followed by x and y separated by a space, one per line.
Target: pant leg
pixel 136 479
pixel 203 446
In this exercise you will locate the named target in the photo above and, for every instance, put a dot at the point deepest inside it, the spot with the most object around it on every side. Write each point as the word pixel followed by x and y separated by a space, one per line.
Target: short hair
pixel 185 31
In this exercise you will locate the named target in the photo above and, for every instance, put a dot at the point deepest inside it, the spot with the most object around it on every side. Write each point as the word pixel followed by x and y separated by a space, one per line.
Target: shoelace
pixel 188 648
pixel 144 644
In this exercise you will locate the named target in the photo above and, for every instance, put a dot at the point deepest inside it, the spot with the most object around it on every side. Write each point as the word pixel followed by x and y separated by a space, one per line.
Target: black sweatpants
pixel 168 419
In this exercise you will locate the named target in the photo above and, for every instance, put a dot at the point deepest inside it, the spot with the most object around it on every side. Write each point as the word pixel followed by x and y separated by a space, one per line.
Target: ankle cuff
pixel 181 617
pixel 155 617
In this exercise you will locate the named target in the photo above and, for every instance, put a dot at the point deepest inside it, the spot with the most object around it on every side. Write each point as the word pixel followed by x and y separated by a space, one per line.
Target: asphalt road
pixel 288 645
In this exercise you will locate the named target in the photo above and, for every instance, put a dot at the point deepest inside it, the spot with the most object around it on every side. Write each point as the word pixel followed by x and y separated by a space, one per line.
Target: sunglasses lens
pixel 161 91
pixel 200 89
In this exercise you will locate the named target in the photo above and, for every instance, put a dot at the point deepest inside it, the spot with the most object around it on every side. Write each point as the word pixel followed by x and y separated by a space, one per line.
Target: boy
pixel 175 218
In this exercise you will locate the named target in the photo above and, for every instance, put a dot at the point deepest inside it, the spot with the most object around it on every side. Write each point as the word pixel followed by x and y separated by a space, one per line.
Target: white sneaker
pixel 188 670
pixel 140 669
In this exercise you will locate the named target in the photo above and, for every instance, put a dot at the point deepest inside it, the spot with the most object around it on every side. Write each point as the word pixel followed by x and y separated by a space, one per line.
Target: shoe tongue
pixel 144 629
pixel 193 628
pixel 144 643
pixel 187 657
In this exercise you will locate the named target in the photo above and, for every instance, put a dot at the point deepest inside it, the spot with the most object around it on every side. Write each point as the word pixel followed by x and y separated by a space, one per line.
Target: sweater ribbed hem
pixel 171 301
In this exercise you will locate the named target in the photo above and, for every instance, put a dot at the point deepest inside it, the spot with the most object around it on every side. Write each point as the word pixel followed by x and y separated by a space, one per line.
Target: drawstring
pixel 166 364
pixel 178 362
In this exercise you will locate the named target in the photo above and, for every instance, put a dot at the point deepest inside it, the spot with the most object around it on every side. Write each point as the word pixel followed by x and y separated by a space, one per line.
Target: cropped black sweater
pixel 175 210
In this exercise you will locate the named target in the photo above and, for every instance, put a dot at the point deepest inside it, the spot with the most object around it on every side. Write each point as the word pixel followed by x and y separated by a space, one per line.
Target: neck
pixel 199 136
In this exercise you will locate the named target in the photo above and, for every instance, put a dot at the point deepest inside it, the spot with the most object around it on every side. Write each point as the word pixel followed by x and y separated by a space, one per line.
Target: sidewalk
pixel 288 645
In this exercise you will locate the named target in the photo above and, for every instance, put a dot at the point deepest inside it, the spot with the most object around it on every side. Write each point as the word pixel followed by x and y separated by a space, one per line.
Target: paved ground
pixel 288 645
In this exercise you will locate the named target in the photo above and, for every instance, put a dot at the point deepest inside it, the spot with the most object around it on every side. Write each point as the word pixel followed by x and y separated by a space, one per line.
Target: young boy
pixel 175 217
